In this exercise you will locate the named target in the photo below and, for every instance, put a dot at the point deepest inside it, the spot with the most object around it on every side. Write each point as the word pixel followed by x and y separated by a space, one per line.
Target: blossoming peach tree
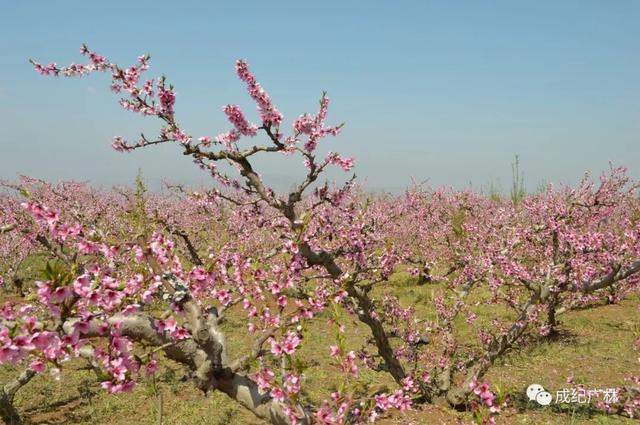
pixel 125 294
pixel 555 251
pixel 104 287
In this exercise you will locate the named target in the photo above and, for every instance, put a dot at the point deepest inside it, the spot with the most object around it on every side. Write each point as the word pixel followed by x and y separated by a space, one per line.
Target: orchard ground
pixel 595 346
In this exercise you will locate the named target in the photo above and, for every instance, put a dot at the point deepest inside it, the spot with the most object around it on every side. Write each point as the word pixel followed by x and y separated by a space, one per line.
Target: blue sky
pixel 447 91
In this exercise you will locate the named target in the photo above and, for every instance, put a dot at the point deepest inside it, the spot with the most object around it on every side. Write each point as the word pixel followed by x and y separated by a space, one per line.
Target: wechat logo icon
pixel 536 392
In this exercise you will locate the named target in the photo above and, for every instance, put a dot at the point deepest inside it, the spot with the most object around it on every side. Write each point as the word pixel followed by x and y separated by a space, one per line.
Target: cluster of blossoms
pixel 314 126
pixel 347 363
pixel 345 163
pixel 268 112
pixel 341 409
pixel 487 399
pixel 241 127
pixel 287 346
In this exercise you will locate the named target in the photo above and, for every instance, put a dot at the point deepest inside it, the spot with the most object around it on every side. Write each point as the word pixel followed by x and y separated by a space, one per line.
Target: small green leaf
pixel 25 192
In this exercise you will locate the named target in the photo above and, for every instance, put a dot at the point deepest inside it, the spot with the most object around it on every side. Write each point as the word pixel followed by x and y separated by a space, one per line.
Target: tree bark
pixel 8 411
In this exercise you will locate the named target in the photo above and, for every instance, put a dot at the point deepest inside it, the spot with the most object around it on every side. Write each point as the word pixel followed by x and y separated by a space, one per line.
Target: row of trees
pixel 130 278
